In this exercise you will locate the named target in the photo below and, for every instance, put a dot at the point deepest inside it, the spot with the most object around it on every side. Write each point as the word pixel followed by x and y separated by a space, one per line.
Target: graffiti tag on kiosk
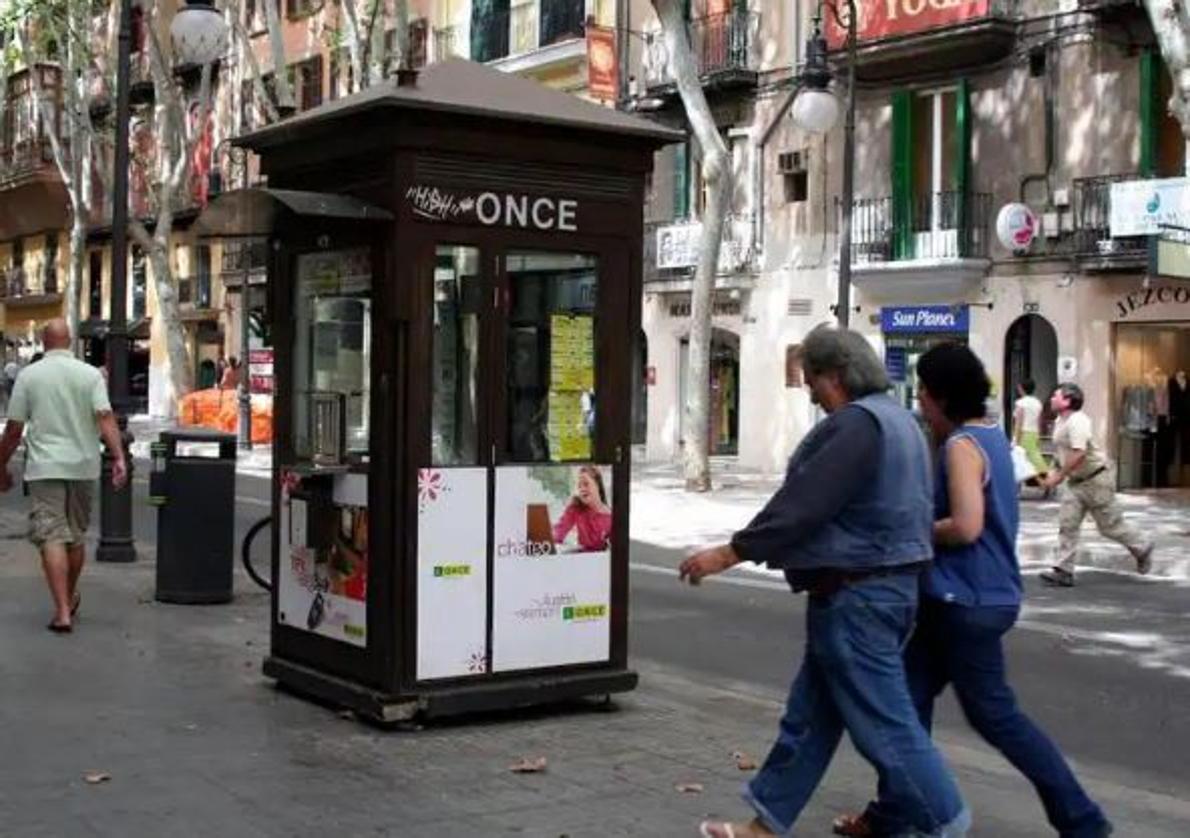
pixel 494 209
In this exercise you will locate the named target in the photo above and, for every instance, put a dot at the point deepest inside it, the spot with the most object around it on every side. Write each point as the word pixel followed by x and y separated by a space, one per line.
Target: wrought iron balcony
pixel 18 288
pixel 25 158
pixel 447 44
pixel 671 248
pixel 935 226
pixel 724 48
pixel 526 28
pixel 1092 242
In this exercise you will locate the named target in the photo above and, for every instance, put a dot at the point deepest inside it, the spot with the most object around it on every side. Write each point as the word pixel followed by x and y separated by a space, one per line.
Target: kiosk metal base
pixel 453 700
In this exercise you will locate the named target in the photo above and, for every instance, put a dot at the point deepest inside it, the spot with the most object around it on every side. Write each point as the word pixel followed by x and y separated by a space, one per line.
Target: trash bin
pixel 193 484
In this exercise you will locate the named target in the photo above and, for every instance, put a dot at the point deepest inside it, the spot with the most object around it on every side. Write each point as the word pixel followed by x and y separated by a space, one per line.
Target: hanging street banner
pixel 890 18
pixel 602 67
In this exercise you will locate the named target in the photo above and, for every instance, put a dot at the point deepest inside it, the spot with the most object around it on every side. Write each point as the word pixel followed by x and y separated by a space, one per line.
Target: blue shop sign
pixel 920 320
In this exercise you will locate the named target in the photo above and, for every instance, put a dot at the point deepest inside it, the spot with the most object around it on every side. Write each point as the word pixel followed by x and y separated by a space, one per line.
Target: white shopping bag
pixel 1022 469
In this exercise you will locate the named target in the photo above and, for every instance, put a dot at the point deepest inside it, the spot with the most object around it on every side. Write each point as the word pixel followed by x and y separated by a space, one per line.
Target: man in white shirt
pixel 1091 482
pixel 60 407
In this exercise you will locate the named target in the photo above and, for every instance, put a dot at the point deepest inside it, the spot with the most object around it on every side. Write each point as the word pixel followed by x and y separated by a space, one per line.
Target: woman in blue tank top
pixel 971 597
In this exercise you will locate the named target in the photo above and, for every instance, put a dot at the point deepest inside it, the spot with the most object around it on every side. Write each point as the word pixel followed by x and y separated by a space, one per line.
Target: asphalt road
pixel 1104 668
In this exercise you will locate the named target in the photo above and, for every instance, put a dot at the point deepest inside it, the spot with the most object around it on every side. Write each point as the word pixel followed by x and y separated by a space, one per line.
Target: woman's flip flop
pixel 59 628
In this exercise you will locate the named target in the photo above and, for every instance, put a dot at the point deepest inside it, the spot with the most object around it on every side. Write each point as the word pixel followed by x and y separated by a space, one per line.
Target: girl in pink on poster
pixel 588 513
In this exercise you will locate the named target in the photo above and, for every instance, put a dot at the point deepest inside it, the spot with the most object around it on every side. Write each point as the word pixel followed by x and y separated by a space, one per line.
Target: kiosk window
pixel 457 299
pixel 332 354
pixel 552 395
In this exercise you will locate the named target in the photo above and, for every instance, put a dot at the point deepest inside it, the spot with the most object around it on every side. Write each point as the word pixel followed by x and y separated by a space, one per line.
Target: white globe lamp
pixel 198 34
pixel 815 111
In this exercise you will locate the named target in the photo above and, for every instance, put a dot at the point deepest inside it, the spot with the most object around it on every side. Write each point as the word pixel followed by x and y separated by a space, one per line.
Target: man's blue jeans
pixel 961 645
pixel 853 679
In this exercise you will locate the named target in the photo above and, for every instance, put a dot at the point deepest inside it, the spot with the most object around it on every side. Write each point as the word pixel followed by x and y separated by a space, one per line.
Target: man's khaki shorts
pixel 60 511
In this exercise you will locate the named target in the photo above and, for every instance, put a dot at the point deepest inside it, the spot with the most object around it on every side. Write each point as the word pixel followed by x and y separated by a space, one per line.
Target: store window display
pixel 1153 405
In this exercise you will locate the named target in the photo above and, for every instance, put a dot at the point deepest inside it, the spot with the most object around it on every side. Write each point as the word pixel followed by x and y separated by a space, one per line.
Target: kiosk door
pixel 515 516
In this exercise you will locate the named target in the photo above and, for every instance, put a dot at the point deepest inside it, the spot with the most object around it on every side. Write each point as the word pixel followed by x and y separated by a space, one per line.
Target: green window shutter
pixel 1150 66
pixel 902 174
pixel 962 162
pixel 682 180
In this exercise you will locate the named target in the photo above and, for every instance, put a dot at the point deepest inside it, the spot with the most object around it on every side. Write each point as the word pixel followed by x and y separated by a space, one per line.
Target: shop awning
pixel 256 212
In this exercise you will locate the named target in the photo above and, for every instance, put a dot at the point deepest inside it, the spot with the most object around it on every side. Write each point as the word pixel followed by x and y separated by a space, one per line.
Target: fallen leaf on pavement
pixel 743 761
pixel 96 777
pixel 529 765
pixel 689 788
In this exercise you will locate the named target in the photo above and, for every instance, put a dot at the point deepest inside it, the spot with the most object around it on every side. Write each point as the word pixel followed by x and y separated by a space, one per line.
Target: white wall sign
pixel 452 572
pixel 1067 368
pixel 552 569
pixel 1140 207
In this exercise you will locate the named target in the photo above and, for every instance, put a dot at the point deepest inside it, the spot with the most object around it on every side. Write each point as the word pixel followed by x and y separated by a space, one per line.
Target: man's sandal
pixel 852 826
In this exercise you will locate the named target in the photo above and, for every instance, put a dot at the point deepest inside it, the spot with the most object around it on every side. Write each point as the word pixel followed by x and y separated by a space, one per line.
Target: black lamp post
pixel 816 109
pixel 115 505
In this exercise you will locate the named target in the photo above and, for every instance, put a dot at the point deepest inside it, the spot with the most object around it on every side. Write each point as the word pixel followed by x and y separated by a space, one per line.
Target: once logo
pixel 452 570
pixel 521 211
pixel 584 613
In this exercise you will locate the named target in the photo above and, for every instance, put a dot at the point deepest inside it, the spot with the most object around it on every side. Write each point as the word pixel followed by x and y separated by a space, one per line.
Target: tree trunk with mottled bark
pixel 716 175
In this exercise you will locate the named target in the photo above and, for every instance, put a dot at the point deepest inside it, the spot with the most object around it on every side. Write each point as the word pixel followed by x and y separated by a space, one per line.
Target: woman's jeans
pixel 853 679
pixel 961 645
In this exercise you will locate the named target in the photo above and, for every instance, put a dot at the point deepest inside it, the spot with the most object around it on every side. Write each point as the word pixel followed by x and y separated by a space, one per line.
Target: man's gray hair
pixel 828 349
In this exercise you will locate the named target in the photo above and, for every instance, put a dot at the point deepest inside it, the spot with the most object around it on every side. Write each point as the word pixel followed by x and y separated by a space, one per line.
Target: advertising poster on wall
pixel 452 572
pixel 552 566
pixel 323 580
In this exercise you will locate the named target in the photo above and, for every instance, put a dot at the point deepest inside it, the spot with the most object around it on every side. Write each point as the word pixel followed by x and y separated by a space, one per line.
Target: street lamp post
pixel 199 37
pixel 816 109
pixel 115 505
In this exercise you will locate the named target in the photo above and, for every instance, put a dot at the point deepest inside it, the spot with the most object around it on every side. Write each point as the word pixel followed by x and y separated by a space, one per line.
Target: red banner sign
pixel 891 18
pixel 602 67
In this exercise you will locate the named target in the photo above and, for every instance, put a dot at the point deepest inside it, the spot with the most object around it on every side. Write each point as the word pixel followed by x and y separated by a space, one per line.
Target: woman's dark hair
pixel 1073 395
pixel 956 379
pixel 1029 386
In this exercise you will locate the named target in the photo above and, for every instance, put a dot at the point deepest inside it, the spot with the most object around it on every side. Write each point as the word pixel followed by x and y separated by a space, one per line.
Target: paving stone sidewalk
pixel 168 701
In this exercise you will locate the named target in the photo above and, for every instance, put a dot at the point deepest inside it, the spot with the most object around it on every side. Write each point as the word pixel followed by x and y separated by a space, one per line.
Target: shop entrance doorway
pixel 1152 405
pixel 1030 354
pixel 724 404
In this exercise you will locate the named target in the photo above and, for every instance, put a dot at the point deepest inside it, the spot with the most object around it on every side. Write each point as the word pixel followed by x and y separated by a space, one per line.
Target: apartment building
pixel 961 111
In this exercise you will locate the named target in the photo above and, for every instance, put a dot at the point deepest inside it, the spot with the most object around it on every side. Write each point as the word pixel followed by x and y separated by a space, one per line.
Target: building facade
pixel 960 111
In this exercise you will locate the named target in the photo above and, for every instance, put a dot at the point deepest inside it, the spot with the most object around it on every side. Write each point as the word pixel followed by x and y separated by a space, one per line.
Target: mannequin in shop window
pixel 1179 422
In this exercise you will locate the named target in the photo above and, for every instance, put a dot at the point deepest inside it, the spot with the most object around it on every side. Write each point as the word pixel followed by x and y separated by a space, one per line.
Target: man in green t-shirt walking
pixel 61 408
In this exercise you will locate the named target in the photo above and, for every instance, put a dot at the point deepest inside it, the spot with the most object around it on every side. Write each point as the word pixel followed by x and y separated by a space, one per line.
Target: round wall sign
pixel 1016 227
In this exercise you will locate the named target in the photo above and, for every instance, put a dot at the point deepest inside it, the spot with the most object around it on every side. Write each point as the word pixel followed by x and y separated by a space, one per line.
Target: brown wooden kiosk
pixel 455 285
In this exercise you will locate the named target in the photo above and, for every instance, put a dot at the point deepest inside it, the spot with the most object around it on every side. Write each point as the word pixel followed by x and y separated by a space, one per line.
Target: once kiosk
pixel 455 288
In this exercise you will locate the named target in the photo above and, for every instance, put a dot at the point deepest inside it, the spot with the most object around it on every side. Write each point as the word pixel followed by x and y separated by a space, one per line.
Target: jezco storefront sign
pixel 1163 294
pixel 494 209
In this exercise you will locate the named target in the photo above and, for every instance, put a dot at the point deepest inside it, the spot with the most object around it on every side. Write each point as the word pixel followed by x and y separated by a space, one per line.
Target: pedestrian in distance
pixel 60 407
pixel 1026 428
pixel 852 526
pixel 971 598
pixel 1090 488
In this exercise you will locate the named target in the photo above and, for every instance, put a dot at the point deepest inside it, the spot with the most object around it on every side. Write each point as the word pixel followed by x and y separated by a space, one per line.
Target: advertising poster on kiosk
pixel 452 572
pixel 323 581
pixel 552 566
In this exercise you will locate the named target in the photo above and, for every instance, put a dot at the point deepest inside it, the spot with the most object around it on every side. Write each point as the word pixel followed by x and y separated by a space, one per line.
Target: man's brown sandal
pixel 853 826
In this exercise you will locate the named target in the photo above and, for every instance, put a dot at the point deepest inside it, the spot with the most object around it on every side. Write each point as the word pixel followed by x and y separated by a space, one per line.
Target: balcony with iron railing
pixel 672 248
pixel 17 287
pixel 1091 242
pixel 23 159
pixel 935 243
pixel 725 52
pixel 447 43
pixel 243 258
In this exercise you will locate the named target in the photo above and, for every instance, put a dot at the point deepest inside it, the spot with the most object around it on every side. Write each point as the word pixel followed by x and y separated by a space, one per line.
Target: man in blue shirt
pixel 853 526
